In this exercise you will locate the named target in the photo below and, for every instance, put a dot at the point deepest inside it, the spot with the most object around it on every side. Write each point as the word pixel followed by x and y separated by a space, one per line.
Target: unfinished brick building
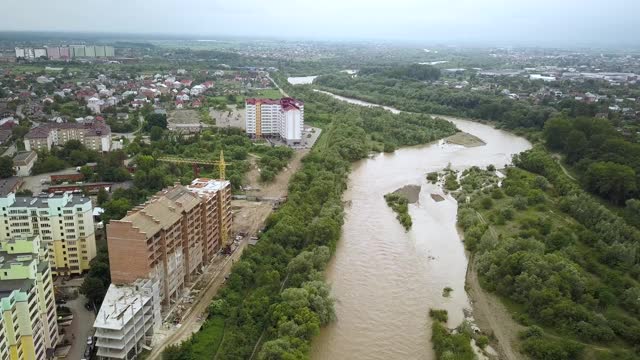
pixel 172 236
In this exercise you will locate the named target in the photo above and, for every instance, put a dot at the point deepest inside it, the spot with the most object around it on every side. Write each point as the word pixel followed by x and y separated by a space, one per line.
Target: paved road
pixel 80 327
pixel 278 86
pixel 192 321
pixel 131 135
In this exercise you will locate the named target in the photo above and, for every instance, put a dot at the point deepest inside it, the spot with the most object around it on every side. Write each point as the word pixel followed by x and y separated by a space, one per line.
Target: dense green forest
pixel 608 163
pixel 570 264
pixel 276 292
pixel 406 92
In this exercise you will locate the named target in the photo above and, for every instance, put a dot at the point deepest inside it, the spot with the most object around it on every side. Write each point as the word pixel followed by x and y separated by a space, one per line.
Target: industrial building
pixel 64 223
pixel 95 135
pixel 155 251
pixel 29 318
pixel 283 118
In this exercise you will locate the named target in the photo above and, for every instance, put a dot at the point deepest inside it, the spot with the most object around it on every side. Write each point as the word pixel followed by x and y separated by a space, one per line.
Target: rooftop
pixel 24 158
pixel 284 102
pixel 163 210
pixel 42 201
pixel 94 128
pixel 203 185
pixel 8 286
pixel 119 305
pixel 9 185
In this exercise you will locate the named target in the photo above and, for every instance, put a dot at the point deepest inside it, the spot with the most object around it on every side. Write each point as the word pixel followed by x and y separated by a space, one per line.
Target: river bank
pixel 492 317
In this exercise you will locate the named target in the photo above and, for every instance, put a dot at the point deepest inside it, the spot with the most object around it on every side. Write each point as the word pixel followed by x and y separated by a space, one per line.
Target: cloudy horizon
pixel 540 23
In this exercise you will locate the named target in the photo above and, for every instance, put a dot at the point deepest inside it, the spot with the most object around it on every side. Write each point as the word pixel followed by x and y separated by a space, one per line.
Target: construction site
pixel 191 236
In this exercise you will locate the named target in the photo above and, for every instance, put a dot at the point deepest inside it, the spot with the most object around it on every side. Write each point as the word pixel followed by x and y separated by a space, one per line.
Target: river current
pixel 386 279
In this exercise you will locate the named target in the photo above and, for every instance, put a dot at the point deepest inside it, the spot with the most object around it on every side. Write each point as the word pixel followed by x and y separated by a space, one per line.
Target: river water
pixel 385 279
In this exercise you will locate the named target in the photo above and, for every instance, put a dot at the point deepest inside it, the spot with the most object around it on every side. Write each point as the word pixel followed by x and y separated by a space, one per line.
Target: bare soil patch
pixel 465 139
pixel 279 186
pixel 411 192
pixel 493 317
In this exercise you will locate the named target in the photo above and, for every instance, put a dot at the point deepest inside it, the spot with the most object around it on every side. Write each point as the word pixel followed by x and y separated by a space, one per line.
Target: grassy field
pixel 210 336
pixel 269 93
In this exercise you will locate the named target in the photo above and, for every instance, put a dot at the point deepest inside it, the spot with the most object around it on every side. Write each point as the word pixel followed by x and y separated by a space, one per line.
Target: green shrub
pixel 439 315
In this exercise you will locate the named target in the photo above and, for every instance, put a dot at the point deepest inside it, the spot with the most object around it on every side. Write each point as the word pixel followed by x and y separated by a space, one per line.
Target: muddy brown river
pixel 385 279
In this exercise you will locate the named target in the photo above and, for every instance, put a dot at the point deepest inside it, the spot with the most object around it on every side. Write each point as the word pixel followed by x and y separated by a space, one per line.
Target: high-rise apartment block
pixel 29 318
pixel 283 118
pixel 155 251
pixel 64 223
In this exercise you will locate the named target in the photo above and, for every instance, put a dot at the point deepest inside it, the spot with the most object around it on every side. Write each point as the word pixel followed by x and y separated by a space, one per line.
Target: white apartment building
pixel 63 221
pixel 283 118
pixel 127 319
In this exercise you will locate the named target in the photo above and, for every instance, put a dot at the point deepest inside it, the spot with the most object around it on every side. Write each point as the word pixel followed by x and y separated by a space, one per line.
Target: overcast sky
pixel 516 22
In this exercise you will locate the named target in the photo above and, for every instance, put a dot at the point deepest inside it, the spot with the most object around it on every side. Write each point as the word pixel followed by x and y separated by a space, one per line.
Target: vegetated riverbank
pixel 540 242
pixel 275 301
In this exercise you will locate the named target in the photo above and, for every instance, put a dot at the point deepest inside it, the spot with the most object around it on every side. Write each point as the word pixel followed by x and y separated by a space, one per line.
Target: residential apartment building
pixel 283 118
pixel 63 221
pixel 95 135
pixel 154 252
pixel 127 319
pixel 27 299
pixel 4 348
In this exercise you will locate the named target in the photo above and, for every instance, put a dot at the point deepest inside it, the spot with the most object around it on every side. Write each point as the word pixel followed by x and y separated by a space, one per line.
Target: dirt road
pixel 492 317
pixel 279 186
pixel 193 320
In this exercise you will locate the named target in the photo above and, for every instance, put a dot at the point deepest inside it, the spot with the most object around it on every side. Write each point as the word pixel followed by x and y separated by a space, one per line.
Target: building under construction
pixel 171 236
pixel 166 242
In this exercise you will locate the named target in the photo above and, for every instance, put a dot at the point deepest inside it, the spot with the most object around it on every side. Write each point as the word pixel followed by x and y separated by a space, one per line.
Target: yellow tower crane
pixel 221 164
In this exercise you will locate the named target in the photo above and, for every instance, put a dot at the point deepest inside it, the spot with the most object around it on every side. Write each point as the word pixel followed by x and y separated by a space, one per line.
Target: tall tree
pixel 6 167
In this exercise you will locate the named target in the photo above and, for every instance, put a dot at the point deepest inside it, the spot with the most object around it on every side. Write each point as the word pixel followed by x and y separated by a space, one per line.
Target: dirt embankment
pixel 280 185
pixel 465 139
pixel 411 192
pixel 492 316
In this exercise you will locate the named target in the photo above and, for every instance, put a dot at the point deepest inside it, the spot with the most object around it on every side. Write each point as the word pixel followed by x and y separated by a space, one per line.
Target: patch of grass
pixel 446 292
pixel 439 315
pixel 210 337
pixel 269 93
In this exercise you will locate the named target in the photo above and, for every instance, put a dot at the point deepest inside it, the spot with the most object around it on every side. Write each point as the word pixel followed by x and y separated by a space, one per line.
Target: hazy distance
pixel 515 22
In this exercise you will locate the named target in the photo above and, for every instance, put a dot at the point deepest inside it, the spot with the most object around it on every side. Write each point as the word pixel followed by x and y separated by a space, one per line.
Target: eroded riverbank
pixel 384 279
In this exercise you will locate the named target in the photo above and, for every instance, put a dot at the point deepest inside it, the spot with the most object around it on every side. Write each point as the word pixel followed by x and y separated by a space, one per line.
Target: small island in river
pixel 399 201
pixel 465 139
